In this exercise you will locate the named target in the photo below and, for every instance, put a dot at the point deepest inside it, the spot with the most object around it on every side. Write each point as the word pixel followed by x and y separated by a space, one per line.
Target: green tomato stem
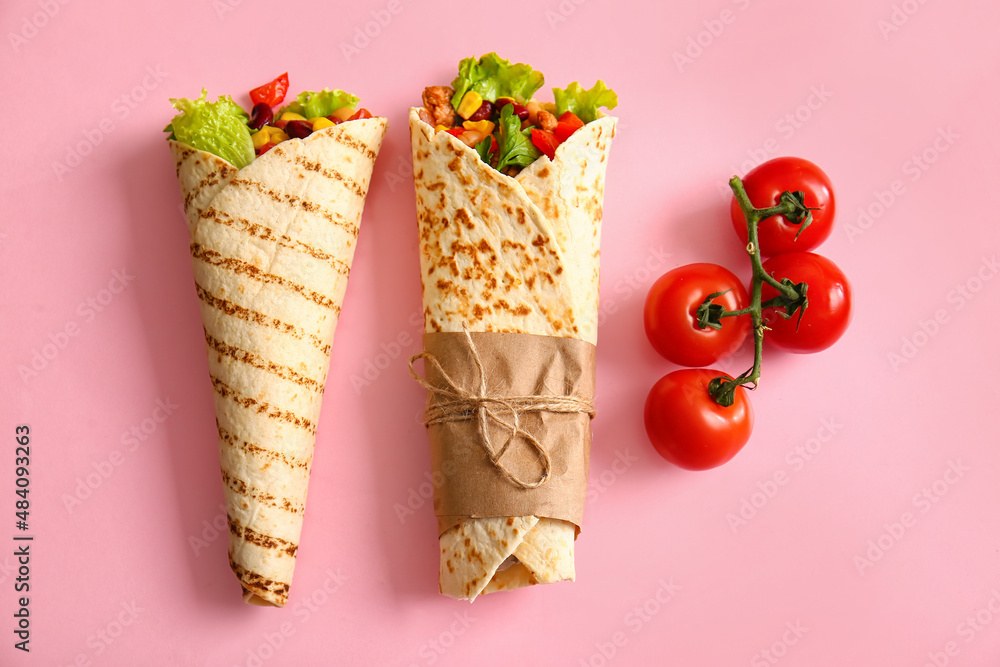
pixel 723 389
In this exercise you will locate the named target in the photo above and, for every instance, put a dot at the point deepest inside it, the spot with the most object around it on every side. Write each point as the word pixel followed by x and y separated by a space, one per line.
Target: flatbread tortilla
pixel 271 248
pixel 518 255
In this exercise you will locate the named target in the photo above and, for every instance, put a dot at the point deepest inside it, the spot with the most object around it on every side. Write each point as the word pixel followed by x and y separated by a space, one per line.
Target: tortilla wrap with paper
pixel 271 245
pixel 513 254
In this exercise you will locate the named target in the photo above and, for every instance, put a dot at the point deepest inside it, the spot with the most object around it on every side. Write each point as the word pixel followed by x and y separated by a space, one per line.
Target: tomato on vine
pixel 828 299
pixel 671 314
pixel 698 418
pixel 764 186
pixel 688 427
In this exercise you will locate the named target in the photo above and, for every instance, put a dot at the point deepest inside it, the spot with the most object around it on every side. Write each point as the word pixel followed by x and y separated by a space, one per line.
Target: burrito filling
pixel 489 107
pixel 224 129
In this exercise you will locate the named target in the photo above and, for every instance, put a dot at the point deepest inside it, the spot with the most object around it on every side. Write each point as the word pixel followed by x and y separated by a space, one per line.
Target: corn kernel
pixel 277 136
pixel 441 128
pixel 261 137
pixel 321 122
pixel 291 115
pixel 484 126
pixel 470 104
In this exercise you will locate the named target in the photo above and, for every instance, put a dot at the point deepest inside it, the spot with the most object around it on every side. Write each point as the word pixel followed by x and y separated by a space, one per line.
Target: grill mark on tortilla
pixel 251 578
pixel 248 315
pixel 242 488
pixel 235 265
pixel 296 201
pixel 257 361
pixel 332 174
pixel 268 234
pixel 213 177
pixel 357 145
pixel 262 408
pixel 268 542
pixel 260 452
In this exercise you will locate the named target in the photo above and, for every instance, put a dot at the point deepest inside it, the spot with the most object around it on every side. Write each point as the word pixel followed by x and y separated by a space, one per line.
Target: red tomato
pixel 271 93
pixel 688 428
pixel 829 302
pixel 567 125
pixel 672 323
pixel 361 114
pixel 764 185
pixel 544 141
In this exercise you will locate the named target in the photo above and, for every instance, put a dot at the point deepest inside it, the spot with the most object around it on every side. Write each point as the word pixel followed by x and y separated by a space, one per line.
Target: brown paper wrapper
pixel 518 365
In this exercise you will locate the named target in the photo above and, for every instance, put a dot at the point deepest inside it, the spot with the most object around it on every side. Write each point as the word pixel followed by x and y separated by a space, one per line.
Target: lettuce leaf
pixel 483 149
pixel 317 104
pixel 584 103
pixel 219 128
pixel 514 146
pixel 492 77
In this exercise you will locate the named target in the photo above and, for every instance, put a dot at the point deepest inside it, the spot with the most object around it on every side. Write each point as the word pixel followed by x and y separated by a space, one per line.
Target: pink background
pixel 664 576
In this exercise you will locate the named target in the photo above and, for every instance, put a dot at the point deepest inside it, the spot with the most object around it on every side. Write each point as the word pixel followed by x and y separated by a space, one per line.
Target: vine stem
pixel 721 388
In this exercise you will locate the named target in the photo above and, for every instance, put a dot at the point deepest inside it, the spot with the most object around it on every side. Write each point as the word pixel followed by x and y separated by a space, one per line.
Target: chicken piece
pixel 546 120
pixel 437 101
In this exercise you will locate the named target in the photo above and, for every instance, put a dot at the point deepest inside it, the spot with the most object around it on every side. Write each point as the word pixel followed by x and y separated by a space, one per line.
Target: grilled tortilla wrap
pixel 271 248
pixel 520 255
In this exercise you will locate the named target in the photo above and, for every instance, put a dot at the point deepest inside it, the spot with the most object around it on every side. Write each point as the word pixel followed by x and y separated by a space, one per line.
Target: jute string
pixel 452 403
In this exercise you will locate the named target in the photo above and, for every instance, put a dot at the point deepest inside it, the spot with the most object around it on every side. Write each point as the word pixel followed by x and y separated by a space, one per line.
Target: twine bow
pixel 452 403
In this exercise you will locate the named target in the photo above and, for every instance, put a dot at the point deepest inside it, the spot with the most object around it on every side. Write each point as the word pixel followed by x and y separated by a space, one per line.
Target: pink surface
pixel 889 456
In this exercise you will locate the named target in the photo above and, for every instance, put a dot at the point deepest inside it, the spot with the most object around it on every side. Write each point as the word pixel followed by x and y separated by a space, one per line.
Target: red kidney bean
pixel 484 112
pixel 260 116
pixel 334 119
pixel 520 110
pixel 298 129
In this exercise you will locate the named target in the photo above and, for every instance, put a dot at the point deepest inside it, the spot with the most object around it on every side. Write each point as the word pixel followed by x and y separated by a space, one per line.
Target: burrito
pixel 273 201
pixel 509 196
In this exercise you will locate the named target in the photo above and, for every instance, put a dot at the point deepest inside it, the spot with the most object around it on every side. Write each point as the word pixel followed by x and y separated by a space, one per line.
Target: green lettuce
pixel 493 77
pixel 219 128
pixel 584 103
pixel 514 146
pixel 319 104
